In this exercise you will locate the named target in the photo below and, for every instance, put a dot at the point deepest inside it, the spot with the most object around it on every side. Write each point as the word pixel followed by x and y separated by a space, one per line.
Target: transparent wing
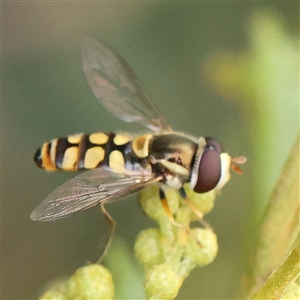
pixel 87 190
pixel 116 86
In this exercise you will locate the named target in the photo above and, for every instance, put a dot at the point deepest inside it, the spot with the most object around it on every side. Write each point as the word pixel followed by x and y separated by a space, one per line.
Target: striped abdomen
pixel 84 151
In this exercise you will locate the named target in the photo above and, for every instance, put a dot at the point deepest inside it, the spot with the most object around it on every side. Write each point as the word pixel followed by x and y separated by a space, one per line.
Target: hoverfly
pixel 121 164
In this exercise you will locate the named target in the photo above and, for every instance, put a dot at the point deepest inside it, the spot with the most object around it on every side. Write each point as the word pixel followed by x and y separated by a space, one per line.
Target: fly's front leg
pixel 162 168
pixel 195 210
pixel 164 202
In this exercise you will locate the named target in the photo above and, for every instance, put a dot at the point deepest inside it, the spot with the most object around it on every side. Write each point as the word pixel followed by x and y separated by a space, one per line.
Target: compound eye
pixel 209 168
pixel 212 144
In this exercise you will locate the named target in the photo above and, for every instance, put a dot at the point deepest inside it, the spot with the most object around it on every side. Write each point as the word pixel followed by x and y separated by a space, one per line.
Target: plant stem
pixel 279 227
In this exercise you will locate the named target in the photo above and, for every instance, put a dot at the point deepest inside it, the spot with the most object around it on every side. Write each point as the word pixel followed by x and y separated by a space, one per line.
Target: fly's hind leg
pixel 112 224
pixel 195 210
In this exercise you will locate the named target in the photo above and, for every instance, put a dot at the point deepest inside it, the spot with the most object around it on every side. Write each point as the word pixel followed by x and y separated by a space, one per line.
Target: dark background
pixel 45 95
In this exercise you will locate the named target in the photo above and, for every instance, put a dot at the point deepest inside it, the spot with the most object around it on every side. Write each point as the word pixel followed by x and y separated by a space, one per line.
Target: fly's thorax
pixel 84 151
pixel 176 148
pixel 170 154
pixel 211 166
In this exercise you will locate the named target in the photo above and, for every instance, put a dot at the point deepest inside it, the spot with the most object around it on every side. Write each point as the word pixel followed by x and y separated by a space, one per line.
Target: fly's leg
pixel 198 213
pixel 164 202
pixel 112 224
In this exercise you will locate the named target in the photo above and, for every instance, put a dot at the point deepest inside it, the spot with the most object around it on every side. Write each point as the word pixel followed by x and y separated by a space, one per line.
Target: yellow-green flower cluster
pixel 89 282
pixel 169 253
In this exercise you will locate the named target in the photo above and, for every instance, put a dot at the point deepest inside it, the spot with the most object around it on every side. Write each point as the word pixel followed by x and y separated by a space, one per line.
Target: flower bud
pixel 146 247
pixel 202 246
pixel 91 282
pixel 162 283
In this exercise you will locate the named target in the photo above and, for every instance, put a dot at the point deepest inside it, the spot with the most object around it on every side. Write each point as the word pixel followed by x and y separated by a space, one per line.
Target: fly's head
pixel 212 165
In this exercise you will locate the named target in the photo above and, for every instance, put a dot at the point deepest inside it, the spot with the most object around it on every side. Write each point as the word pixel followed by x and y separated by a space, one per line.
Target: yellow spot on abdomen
pixel 93 157
pixel 121 139
pixel 75 138
pixel 116 161
pixel 98 138
pixel 70 159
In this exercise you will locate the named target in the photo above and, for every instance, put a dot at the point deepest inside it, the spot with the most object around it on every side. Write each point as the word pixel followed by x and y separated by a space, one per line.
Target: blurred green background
pixel 45 95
